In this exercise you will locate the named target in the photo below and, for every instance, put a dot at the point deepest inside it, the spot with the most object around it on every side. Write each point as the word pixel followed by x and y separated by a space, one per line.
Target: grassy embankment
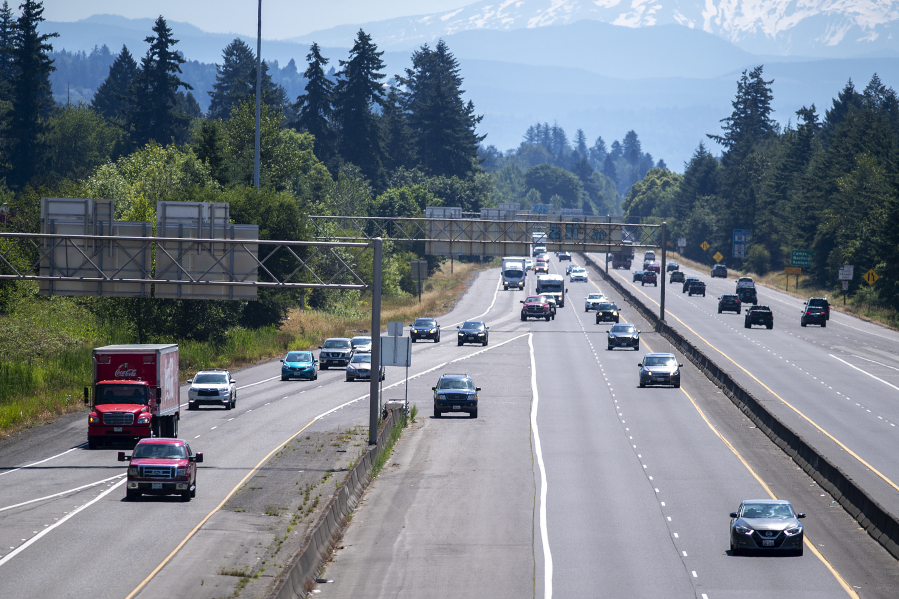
pixel 857 305
pixel 45 345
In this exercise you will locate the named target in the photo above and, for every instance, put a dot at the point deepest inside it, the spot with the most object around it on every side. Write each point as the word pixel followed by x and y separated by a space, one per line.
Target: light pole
pixel 258 95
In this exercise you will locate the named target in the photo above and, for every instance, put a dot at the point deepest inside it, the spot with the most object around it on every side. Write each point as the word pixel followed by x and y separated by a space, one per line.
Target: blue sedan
pixel 299 365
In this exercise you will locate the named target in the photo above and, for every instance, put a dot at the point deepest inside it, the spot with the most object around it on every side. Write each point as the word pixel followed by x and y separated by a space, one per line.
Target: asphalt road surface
pixel 572 482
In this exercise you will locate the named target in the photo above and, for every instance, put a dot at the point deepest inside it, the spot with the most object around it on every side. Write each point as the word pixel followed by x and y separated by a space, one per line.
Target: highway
pixel 837 386
pixel 573 482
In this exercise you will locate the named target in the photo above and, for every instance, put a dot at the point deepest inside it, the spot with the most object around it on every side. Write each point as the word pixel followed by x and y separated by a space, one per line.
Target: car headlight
pixel 132 471
pixel 433 330
pixel 648 373
pixel 181 472
pixel 461 334
pixel 480 334
pixel 743 530
pixel 675 373
pixel 93 419
pixel 793 531
pixel 144 420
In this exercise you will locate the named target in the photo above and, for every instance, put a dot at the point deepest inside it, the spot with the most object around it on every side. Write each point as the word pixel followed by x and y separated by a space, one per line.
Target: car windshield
pixel 594 296
pixel 164 451
pixel 767 510
pixel 818 303
pixel 533 298
pixel 113 394
pixel 337 344
pixel 551 287
pixel 456 384
pixel 425 323
pixel 660 361
pixel 624 328
pixel 299 356
pixel 360 358
pixel 607 306
pixel 211 379
pixel 475 325
pixel 514 273
pixel 357 341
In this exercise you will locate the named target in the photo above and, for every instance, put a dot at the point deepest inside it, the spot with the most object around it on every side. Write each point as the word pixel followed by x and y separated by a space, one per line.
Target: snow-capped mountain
pixel 786 27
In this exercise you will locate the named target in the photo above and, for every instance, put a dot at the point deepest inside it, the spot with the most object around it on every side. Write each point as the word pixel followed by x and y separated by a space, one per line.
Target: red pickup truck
pixel 161 467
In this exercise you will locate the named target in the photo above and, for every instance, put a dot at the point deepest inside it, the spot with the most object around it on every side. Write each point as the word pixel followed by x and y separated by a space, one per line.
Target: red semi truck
pixel 135 394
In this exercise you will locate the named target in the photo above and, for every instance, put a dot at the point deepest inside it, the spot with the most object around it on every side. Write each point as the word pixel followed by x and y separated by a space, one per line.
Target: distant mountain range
pixel 670 83
pixel 819 28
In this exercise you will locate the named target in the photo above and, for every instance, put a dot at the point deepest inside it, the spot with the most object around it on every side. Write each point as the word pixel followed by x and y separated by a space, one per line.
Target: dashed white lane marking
pixel 547 556
pixel 61 493
pixel 53 457
pixel 34 539
pixel 694 574
pixel 198 436
pixel 259 383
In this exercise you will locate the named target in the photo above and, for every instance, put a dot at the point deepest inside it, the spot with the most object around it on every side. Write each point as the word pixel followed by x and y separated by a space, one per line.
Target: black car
pixel 672 266
pixel 564 256
pixel 730 302
pixel 649 276
pixel 813 315
pixel 638 275
pixel 766 525
pixel 425 328
pixel 759 315
pixel 607 312
pixel 455 393
pixel 748 295
pixel 719 270
pixel 623 335
pixel 696 288
pixel 473 331
pixel 687 282
pixel 659 369
pixel 335 352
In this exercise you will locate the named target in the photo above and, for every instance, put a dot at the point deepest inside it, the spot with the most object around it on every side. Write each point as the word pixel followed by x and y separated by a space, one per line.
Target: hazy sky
pixel 280 18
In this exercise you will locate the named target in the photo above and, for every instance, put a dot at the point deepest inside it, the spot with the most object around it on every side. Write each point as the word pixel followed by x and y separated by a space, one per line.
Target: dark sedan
pixel 425 328
pixel 638 275
pixel 624 335
pixel 473 331
pixel 455 393
pixel 672 266
pixel 607 312
pixel 659 369
pixel 766 525
pixel 730 302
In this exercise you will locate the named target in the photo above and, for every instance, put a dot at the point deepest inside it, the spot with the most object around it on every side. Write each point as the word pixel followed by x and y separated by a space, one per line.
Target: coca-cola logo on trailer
pixel 126 370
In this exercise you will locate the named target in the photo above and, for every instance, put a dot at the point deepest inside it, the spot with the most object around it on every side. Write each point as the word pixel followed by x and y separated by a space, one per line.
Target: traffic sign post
pixel 870 277
pixel 419 273
pixel 681 243
pixel 717 256
pixel 741 240
pixel 705 246
pixel 792 270
pixel 845 275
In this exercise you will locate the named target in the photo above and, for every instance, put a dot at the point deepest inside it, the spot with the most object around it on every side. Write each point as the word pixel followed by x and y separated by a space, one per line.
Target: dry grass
pixel 856 306
pixel 311 328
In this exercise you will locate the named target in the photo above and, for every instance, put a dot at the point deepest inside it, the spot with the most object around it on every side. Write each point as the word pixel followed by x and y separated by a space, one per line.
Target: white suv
pixel 212 387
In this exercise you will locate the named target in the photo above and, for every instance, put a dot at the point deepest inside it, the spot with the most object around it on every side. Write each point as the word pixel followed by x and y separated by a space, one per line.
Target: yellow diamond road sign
pixel 705 245
pixel 717 256
pixel 870 277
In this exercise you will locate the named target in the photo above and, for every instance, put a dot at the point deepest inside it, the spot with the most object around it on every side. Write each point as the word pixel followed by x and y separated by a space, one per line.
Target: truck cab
pixel 121 409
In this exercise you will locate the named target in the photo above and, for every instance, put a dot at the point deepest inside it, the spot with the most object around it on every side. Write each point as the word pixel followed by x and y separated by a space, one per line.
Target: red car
pixel 654 267
pixel 161 466
pixel 650 276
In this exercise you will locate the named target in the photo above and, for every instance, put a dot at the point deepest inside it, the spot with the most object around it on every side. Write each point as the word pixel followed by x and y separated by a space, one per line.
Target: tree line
pixel 826 183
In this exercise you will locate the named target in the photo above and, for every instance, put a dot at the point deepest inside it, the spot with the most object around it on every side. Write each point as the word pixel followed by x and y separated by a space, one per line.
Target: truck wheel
pixel 637 347
pixel 175 427
pixel 823 324
pixel 92 443
pixel 769 326
pixel 228 406
pixel 547 318
pixel 185 496
pixel 523 318
pixel 131 495
pixel 436 413
pixel 473 414
pixel 413 339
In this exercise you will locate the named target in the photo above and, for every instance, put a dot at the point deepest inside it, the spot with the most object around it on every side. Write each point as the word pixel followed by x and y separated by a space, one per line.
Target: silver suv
pixel 337 351
pixel 212 387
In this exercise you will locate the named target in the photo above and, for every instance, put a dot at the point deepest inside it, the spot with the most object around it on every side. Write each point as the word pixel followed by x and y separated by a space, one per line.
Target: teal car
pixel 299 365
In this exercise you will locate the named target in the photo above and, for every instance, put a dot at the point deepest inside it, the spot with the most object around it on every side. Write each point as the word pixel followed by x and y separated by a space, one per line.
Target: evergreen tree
pixel 31 92
pixel 631 148
pixel 847 102
pixel 235 81
pixel 598 152
pixel 700 181
pixel 661 164
pixel 443 125
pixel 750 121
pixel 209 146
pixel 314 109
pixel 153 111
pixel 357 93
pixel 111 98
pixel 7 48
pixel 608 167
pixel 398 140
pixel 615 151
pixel 580 142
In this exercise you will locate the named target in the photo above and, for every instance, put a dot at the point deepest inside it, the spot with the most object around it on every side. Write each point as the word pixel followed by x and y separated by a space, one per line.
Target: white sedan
pixel 578 274
pixel 593 300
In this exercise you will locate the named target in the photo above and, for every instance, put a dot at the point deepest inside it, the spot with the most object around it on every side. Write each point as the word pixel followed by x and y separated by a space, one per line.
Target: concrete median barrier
pixel 882 525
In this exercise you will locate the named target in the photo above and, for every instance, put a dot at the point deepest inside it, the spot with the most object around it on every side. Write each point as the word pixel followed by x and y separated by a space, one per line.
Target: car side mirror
pixel 433 388
pixel 734 515
pixel 190 381
pixel 640 364
pixel 800 515
pixel 199 457
pixel 233 382
pixel 123 457
pixel 319 347
pixel 282 361
pixel 458 327
pixel 680 365
pixel 477 388
pixel 519 301
pixel 487 328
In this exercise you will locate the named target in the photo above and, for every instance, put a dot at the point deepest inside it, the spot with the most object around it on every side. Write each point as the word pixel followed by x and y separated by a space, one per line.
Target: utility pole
pixel 662 271
pixel 374 400
pixel 258 94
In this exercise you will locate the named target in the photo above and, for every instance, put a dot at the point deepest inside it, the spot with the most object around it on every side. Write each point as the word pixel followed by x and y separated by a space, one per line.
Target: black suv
pixel 748 295
pixel 474 331
pixel 607 312
pixel 819 302
pixel 455 393
pixel 729 302
pixel 759 315
pixel 687 283
pixel 719 270
pixel 696 287
pixel 425 328
pixel 564 256
pixel 814 313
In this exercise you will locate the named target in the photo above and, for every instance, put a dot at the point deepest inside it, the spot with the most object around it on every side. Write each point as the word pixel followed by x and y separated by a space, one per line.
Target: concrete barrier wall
pixel 880 523
pixel 292 583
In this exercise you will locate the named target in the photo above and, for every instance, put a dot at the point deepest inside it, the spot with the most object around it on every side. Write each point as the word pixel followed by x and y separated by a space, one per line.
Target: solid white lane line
pixel 44 460
pixel 34 539
pixel 874 361
pixel 547 555
pixel 495 293
pixel 865 372
pixel 61 493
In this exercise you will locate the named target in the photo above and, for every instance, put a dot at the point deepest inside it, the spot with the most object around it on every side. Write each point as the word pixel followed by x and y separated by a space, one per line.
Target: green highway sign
pixel 801 258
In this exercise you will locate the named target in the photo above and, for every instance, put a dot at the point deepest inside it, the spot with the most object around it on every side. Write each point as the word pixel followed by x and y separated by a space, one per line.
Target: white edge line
pixel 99 482
pixel 547 555
pixel 495 294
pixel 44 460
pixel 875 362
pixel 864 372
pixel 34 539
